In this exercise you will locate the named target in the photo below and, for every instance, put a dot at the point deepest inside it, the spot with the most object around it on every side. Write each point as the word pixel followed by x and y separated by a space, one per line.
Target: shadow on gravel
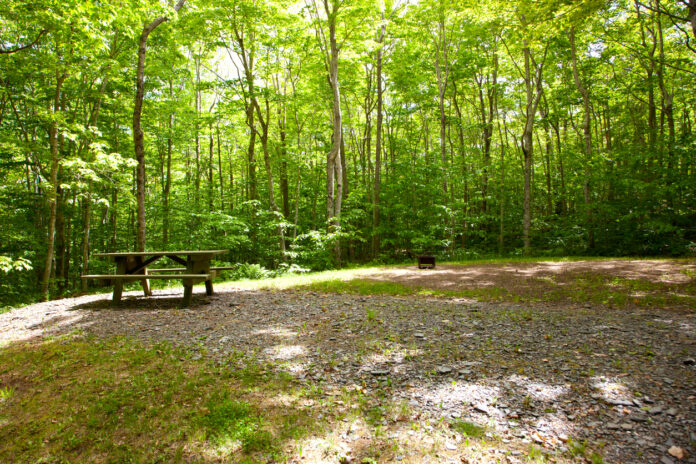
pixel 161 299
pixel 405 379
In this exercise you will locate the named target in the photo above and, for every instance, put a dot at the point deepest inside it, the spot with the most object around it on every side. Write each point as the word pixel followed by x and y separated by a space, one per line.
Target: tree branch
pixel 19 49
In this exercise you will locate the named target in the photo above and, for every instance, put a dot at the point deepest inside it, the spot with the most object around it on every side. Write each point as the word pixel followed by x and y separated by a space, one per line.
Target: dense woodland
pixel 317 133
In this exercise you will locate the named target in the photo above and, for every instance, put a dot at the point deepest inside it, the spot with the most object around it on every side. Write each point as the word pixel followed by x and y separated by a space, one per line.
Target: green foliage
pixel 8 265
pixel 314 250
pixel 250 272
pixel 236 156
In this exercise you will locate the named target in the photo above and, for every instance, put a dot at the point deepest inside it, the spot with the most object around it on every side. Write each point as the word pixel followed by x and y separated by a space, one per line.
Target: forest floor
pixel 572 361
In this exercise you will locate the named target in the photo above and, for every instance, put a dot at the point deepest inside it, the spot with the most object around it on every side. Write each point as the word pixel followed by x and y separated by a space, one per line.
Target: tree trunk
pixel 587 132
pixel 87 209
pixel 442 78
pixel 138 137
pixel 53 185
pixel 197 130
pixel 284 187
pixel 532 84
pixel 61 277
pixel 334 169
pixel 210 168
pixel 378 148
pixel 167 186
pixel 220 173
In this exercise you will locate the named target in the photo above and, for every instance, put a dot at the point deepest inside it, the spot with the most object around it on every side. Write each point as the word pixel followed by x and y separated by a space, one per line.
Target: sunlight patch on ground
pixel 286 352
pixel 36 330
pixel 458 395
pixel 611 388
pixel 276 332
pixel 539 391
pixel 295 368
pixel 553 429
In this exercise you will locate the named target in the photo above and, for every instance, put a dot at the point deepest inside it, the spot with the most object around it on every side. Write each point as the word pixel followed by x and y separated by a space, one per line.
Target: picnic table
pixel 133 266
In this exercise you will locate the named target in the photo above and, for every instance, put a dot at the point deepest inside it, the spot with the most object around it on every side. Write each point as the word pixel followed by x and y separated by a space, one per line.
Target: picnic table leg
pixel 118 284
pixel 188 283
pixel 118 291
pixel 145 282
pixel 209 287
pixel 188 292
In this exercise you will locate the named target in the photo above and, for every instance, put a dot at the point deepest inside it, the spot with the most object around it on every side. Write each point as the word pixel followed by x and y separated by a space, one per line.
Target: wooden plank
pixel 176 259
pixel 153 276
pixel 143 264
pixel 161 253
pixel 168 269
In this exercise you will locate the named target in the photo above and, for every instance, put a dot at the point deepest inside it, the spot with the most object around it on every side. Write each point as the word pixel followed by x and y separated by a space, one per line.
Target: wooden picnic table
pixel 132 266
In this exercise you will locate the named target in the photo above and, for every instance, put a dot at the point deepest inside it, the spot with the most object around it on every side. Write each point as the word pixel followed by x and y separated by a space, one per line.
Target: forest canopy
pixel 319 132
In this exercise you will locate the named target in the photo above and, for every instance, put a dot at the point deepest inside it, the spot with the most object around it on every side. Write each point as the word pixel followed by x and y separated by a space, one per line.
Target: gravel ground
pixel 624 380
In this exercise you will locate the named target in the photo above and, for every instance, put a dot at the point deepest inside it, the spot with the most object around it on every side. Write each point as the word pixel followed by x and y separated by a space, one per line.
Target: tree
pixel 138 137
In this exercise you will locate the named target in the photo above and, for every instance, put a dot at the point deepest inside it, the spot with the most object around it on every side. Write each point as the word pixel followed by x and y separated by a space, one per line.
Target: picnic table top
pixel 160 253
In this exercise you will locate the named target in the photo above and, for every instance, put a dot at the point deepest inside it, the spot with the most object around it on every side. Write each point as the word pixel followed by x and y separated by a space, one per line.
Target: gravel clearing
pixel 624 380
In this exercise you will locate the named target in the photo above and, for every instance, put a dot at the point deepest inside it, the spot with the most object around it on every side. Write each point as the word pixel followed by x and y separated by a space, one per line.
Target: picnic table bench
pixel 132 266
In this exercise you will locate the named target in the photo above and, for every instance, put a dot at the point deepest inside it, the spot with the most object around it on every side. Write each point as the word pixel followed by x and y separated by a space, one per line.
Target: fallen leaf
pixel 678 452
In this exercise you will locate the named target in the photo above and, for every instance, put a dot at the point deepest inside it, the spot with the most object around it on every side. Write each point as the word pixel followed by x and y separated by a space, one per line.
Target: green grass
pixel 229 421
pixel 6 393
pixel 468 429
pixel 82 399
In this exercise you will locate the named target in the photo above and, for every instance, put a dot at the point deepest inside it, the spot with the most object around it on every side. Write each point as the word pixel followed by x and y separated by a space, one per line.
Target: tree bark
pixel 138 137
pixel 166 188
pixel 220 170
pixel 61 276
pixel 378 148
pixel 442 79
pixel 334 169
pixel 534 91
pixel 210 167
pixel 587 133
pixel 53 185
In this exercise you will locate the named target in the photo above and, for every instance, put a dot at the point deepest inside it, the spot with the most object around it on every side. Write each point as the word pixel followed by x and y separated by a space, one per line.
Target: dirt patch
pixel 662 283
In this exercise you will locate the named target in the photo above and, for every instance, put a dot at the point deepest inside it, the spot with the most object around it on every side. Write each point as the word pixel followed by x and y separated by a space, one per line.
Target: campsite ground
pixel 526 361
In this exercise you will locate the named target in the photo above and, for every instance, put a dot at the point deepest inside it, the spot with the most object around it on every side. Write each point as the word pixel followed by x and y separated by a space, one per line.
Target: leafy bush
pixel 315 250
pixel 246 271
pixel 15 280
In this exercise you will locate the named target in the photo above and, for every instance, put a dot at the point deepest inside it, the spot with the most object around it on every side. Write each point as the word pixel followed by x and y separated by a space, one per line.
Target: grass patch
pixel 359 287
pixel 86 400
pixel 468 429
pixel 6 393
pixel 230 421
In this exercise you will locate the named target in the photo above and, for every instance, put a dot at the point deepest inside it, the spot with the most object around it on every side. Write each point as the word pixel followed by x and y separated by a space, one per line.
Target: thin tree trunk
pixel 532 84
pixel 220 174
pixel 587 131
pixel 334 169
pixel 138 137
pixel 297 204
pixel 378 148
pixel 210 169
pixel 167 185
pixel 53 185
pixel 87 208
pixel 61 277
